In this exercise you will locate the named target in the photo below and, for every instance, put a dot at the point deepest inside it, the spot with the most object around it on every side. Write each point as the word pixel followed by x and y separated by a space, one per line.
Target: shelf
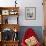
pixel 4 8
pixel 5 12
pixel 11 41
pixel 9 10
pixel 10 26
pixel 9 19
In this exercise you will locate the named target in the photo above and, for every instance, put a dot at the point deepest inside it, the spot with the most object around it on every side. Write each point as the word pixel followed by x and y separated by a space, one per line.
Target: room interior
pixel 17 16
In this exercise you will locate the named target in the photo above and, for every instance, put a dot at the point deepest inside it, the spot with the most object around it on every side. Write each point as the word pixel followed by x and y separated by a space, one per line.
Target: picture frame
pixel 5 12
pixel 13 12
pixel 30 13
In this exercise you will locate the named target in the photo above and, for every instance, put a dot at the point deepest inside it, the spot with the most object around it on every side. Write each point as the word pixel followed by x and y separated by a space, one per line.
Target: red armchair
pixel 30 34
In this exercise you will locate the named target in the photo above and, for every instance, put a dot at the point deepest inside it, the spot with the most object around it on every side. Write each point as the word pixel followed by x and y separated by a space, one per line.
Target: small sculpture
pixel 15 3
pixel 6 21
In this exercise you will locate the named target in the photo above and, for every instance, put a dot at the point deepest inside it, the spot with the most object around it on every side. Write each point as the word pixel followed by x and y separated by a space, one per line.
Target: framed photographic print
pixel 30 13
pixel 5 12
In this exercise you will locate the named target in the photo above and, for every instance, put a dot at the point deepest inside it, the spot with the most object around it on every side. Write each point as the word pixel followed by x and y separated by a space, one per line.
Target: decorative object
pixel 15 3
pixel 31 41
pixel 30 38
pixel 15 30
pixel 30 13
pixel 7 34
pixel 6 21
pixel 13 12
pixel 5 12
pixel 15 37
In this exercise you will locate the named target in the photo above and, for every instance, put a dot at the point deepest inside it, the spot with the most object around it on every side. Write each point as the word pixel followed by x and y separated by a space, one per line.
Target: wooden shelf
pixel 4 13
pixel 10 43
pixel 9 8
pixel 11 26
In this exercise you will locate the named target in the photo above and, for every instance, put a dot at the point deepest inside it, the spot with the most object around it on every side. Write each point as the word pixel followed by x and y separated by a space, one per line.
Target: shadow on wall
pixel 37 29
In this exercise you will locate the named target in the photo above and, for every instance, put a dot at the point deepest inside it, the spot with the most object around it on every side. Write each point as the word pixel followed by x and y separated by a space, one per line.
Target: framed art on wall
pixel 30 13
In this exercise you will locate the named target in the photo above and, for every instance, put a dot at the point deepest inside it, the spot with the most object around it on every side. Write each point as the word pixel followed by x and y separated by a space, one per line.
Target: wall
pixel 39 13
pixel 27 3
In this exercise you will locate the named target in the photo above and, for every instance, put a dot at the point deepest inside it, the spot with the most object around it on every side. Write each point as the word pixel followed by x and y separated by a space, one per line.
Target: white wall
pixel 27 3
pixel 39 13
